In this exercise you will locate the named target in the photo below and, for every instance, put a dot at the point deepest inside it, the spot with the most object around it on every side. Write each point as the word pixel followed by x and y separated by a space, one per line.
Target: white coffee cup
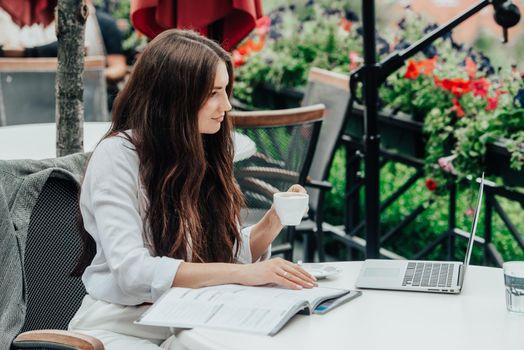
pixel 290 207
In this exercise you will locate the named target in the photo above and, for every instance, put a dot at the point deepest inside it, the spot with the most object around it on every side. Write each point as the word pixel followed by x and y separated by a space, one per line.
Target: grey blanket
pixel 20 184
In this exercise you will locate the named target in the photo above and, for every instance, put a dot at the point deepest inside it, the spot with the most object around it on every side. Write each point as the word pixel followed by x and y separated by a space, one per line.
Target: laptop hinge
pixel 459 275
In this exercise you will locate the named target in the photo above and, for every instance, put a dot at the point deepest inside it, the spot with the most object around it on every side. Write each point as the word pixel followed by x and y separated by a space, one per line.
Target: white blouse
pixel 124 270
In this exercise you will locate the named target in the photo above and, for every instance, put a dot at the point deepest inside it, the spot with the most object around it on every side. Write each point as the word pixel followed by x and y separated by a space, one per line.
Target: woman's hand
pixel 297 188
pixel 278 271
pixel 268 228
pixel 273 213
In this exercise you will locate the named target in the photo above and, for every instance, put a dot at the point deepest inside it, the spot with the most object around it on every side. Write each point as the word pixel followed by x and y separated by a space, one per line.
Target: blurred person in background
pixel 102 38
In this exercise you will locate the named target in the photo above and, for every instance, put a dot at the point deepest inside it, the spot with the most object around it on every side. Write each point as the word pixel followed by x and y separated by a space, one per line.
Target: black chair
pixel 332 90
pixel 285 141
pixel 52 248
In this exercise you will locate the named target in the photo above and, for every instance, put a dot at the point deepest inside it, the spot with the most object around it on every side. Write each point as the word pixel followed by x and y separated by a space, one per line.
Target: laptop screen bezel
pixel 471 240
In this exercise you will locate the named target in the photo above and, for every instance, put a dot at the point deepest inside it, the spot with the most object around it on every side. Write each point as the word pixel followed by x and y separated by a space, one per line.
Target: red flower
pixel 457 87
pixel 345 24
pixel 256 45
pixel 471 67
pixel 412 72
pixel 480 87
pixel 457 108
pixel 431 184
pixel 493 103
pixel 425 67
pixel 262 25
pixel 238 58
pixel 243 49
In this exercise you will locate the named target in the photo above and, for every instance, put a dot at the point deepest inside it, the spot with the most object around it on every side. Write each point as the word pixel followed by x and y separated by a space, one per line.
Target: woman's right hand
pixel 278 271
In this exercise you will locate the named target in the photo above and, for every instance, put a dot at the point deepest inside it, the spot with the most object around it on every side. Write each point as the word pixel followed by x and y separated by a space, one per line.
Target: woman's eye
pixel 214 93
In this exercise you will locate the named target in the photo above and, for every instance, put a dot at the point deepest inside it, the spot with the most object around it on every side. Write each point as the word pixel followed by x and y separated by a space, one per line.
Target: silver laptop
pixel 421 276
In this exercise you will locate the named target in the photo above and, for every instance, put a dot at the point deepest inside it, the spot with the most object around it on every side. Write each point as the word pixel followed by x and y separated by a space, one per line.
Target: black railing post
pixel 352 196
pixel 370 74
pixel 452 219
pixel 488 215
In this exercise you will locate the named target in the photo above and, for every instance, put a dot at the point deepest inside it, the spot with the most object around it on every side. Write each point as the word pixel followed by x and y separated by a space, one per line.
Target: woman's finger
pixel 304 275
pixel 284 281
pixel 297 188
pixel 298 278
pixel 300 271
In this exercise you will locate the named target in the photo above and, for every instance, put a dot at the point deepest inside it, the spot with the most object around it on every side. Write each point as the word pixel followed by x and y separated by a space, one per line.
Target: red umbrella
pixel 29 12
pixel 229 21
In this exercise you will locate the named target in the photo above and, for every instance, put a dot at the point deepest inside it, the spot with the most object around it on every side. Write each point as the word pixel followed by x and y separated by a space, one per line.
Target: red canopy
pixel 29 12
pixel 234 19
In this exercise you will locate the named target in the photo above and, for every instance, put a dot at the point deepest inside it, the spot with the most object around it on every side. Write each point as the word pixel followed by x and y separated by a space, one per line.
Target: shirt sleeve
pixel 112 181
pixel 244 253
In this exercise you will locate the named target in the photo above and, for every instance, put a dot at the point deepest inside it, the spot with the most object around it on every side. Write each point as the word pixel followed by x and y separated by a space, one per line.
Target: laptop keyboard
pixel 428 274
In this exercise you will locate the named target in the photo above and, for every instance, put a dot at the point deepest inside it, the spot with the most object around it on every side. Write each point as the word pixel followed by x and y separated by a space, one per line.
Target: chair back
pixel 52 247
pixel 332 90
pixel 285 141
pixel 27 90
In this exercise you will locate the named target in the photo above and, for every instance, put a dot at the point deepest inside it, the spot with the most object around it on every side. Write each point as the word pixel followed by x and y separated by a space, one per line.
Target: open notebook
pixel 263 310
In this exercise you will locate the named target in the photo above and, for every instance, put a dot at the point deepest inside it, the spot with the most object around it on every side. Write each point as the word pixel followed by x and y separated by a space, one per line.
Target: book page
pixel 234 307
pixel 227 307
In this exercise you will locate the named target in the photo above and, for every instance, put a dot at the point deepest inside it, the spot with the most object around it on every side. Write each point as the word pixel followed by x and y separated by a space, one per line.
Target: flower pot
pixel 498 163
pixel 399 132
pixel 266 96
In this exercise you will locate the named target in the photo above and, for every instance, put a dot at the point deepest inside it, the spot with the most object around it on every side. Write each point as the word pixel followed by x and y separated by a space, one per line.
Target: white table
pixel 475 319
pixel 37 141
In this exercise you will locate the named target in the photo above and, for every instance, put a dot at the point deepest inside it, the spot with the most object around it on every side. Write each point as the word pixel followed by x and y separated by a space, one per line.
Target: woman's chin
pixel 211 130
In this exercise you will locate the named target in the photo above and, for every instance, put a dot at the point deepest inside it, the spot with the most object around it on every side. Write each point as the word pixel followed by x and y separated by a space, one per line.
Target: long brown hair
pixel 194 200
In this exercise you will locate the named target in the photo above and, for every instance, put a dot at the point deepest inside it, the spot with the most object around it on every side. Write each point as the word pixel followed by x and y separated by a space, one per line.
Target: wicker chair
pixel 285 141
pixel 332 90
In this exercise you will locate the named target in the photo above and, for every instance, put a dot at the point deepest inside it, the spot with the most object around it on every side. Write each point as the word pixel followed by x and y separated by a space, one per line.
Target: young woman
pixel 159 198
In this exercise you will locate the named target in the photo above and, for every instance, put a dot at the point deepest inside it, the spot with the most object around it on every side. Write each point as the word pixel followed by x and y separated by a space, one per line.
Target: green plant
pixel 463 107
pixel 297 39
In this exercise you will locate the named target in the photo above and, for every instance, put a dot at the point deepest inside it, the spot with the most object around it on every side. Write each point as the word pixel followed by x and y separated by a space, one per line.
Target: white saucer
pixel 321 271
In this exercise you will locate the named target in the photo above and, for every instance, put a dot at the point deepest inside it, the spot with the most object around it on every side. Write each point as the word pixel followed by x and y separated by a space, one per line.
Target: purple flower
pixel 430 28
pixel 332 12
pixel 276 18
pixel 351 16
pixel 383 46
pixel 519 98
pixel 274 34
pixel 402 44
pixel 430 51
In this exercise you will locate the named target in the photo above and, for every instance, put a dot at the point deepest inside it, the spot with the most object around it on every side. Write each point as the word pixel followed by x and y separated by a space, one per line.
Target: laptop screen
pixel 475 221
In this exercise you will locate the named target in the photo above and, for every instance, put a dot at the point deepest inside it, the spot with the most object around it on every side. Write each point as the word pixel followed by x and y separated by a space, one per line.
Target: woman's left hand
pixel 297 188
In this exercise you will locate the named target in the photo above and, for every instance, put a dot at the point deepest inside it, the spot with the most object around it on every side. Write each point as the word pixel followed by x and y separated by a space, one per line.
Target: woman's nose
pixel 226 104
